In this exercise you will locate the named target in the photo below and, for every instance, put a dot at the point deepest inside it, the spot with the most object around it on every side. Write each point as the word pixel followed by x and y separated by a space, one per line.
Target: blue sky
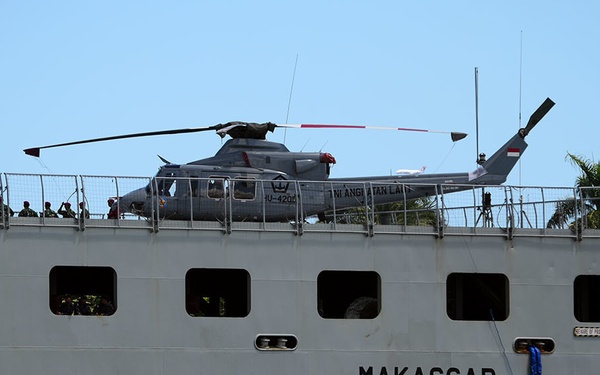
pixel 73 70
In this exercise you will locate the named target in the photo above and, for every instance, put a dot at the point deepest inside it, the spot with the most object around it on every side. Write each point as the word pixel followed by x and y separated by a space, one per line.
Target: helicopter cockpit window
pixel 165 185
pixel 244 189
pixel 216 188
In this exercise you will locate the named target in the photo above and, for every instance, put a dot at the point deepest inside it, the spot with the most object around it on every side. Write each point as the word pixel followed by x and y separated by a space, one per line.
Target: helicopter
pixel 253 179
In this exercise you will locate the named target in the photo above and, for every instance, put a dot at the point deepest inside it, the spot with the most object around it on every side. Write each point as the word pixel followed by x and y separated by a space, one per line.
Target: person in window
pixel 49 212
pixel 66 307
pixel 82 307
pixel 67 212
pixel 105 307
pixel 26 211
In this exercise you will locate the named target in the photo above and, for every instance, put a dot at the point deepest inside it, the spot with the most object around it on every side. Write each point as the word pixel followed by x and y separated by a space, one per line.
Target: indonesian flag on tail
pixel 513 152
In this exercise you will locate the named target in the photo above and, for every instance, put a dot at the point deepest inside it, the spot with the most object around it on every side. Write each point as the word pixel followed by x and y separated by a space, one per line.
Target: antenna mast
pixel 520 91
pixel 478 157
pixel 290 98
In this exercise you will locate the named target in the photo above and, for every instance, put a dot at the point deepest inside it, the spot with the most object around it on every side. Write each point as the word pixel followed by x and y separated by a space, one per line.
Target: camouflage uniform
pixel 66 307
pixel 67 213
pixel 82 307
pixel 48 212
pixel 26 211
pixel 85 213
pixel 104 308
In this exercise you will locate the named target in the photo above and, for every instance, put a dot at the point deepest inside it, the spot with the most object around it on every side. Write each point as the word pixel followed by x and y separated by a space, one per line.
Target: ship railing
pixel 441 210
pixel 585 219
pixel 511 210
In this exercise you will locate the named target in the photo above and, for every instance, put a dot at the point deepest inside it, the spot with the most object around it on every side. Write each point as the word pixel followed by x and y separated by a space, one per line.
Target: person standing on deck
pixel 67 213
pixel 113 212
pixel 26 211
pixel 83 211
pixel 48 212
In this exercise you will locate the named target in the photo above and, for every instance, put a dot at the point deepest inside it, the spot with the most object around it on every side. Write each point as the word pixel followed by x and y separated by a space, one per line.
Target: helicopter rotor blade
pixel 238 129
pixel 456 136
pixel 538 115
pixel 35 151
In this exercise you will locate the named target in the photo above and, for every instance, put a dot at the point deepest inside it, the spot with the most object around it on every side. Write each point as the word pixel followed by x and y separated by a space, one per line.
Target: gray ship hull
pixel 152 333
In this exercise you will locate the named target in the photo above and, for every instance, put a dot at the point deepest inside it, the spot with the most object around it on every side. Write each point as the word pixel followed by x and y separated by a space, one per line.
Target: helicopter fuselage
pixel 236 189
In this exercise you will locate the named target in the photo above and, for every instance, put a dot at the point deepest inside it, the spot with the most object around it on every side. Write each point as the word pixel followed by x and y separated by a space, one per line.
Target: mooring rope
pixel 535 360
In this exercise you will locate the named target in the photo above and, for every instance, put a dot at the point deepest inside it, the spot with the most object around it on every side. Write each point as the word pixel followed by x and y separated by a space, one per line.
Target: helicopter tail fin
pixel 497 168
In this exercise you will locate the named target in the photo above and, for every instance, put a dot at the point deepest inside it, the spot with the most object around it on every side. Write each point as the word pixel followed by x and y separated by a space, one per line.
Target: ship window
pixel 348 294
pixel 217 292
pixel 83 290
pixel 585 296
pixel 244 189
pixel 477 296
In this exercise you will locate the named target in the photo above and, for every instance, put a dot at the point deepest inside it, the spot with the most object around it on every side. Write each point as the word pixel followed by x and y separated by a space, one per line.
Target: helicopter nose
pixel 134 202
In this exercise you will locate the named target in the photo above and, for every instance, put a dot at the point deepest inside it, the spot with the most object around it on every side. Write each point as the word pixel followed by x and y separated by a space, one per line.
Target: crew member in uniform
pixel 67 212
pixel 48 212
pixel 113 212
pixel 84 212
pixel 26 211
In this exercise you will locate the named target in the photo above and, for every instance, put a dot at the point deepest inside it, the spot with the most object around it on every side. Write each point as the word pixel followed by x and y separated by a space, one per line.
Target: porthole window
pixel 216 292
pixel 83 290
pixel 348 294
pixel 477 296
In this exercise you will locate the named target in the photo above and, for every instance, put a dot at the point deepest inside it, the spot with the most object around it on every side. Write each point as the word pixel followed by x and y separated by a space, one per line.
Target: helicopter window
pixel 244 189
pixel 216 188
pixel 348 294
pixel 165 185
pixel 78 290
pixel 214 292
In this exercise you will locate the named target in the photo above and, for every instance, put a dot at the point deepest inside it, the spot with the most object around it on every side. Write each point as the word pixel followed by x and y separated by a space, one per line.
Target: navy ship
pixel 254 261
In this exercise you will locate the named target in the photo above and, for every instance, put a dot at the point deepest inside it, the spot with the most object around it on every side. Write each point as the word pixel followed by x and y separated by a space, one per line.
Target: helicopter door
pixel 188 194
pixel 217 188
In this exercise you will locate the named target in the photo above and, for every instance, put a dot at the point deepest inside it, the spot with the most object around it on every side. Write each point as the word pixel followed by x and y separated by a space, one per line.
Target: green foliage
pixel 419 211
pixel 582 212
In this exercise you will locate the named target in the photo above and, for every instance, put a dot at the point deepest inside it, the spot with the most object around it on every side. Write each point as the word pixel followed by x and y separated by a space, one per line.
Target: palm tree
pixel 417 211
pixel 588 208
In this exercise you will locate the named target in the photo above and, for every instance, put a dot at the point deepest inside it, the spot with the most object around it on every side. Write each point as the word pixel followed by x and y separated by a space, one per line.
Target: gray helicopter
pixel 253 179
